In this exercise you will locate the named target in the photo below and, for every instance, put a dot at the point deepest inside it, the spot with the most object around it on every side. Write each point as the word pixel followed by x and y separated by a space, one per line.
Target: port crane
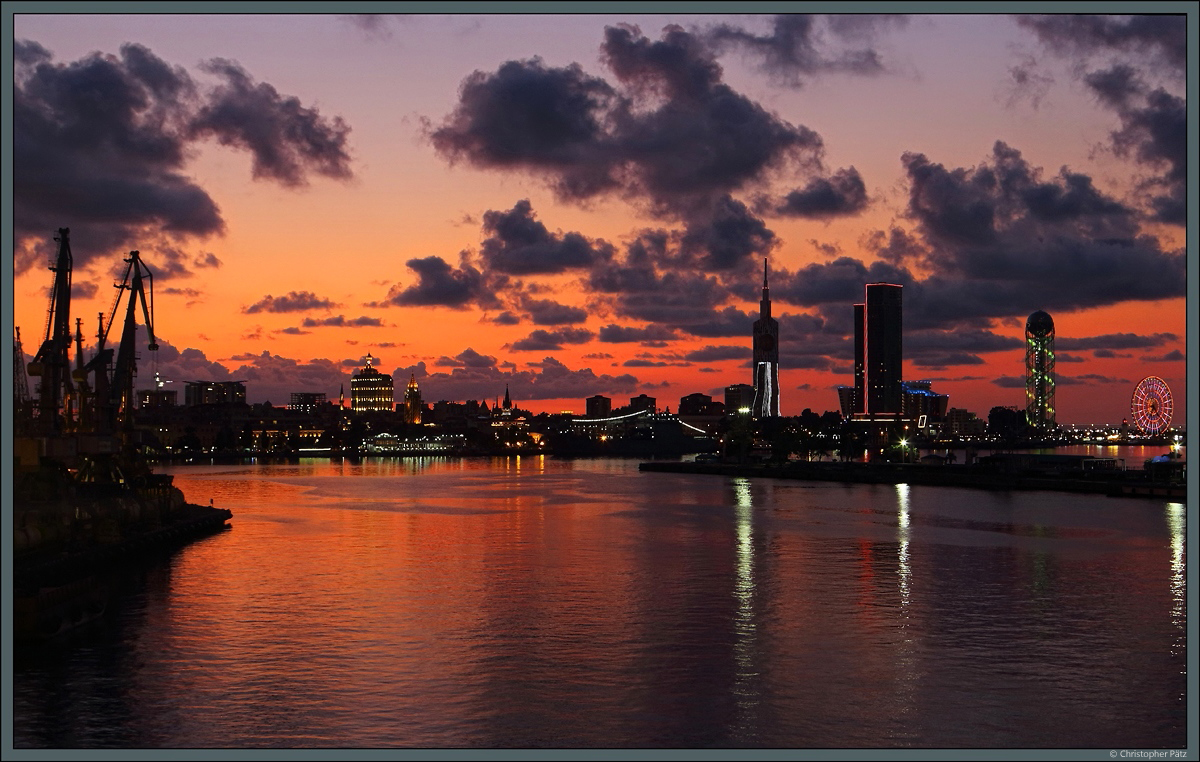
pixel 67 402
pixel 51 363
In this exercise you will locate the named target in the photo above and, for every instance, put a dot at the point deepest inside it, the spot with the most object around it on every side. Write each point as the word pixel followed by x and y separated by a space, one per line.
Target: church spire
pixel 507 399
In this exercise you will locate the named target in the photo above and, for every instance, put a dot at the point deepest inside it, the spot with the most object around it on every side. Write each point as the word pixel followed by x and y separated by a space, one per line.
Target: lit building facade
pixel 412 401
pixel 370 389
pixel 921 400
pixel 1039 371
pixel 766 357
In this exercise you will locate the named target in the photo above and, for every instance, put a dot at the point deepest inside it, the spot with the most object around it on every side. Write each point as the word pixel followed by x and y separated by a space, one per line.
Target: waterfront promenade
pixel 1112 483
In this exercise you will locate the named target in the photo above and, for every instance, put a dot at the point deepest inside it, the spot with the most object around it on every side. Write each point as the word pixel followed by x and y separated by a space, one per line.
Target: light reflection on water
pixel 536 602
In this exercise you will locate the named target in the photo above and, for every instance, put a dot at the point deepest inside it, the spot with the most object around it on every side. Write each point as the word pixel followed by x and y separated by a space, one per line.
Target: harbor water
pixel 536 602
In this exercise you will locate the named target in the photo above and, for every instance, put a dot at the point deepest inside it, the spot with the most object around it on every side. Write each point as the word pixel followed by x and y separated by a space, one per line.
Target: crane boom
pixel 52 361
pixel 121 389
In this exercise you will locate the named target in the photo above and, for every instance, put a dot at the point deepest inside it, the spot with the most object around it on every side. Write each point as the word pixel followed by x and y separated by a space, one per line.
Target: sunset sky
pixel 579 205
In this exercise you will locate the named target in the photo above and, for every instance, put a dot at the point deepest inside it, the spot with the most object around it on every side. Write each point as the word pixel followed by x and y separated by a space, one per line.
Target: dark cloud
pixel 518 244
pixel 805 361
pixel 638 362
pixel 725 237
pixel 1115 86
pixel 1066 357
pixel 621 334
pixel 287 140
pixel 543 119
pixel 1160 39
pixel 701 139
pixel 546 341
pixel 468 358
pixel 81 289
pixel 795 49
pixel 293 301
pixel 674 134
pixel 188 292
pixel 102 145
pixel 30 53
pixel 1154 133
pixel 918 342
pixel 896 247
pixel 729 321
pixel 1090 378
pixel 1010 382
pixel 843 193
pixel 1111 341
pixel 440 284
pixel 1001 240
pixel 341 321
pixel 941 360
pixel 550 312
pixel 550 380
pixel 598 356
pixel 713 353
pixel 1173 356
pixel 506 318
pixel 293 330
pixel 839 282
pixel 1108 353
pixel 1153 121
pixel 206 259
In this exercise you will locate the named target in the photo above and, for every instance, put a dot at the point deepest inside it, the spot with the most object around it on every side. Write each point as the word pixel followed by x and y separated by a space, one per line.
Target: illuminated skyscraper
pixel 766 357
pixel 412 401
pixel 879 350
pixel 1039 371
pixel 370 389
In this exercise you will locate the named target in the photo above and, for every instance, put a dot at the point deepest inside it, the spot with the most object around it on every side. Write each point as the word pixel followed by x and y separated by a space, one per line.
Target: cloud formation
pixel 795 49
pixel 841 194
pixel 287 140
pixel 542 340
pixel 292 301
pixel 341 321
pixel 441 285
pixel 102 144
pixel 669 132
pixel 518 244
pixel 551 379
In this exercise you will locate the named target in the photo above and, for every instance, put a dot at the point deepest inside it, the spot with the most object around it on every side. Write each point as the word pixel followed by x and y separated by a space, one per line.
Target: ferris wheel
pixel 1151 406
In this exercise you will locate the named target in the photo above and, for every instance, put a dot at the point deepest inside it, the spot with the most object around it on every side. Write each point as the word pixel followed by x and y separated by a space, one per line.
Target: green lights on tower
pixel 1039 372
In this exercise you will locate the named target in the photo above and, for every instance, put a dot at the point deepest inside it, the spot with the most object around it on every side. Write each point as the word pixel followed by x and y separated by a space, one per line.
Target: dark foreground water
pixel 537 602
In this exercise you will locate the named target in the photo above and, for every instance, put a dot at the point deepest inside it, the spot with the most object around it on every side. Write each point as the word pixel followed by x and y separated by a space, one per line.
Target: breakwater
pixel 1111 483
pixel 70 548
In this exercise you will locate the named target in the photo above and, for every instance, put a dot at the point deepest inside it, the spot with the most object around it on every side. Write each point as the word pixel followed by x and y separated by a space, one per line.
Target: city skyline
pixel 573 206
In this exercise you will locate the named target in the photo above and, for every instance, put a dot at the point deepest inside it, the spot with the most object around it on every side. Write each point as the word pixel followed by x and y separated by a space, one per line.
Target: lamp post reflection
pixel 745 644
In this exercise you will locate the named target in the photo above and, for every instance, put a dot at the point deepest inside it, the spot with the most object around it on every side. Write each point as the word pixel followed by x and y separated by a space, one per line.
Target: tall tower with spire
pixel 766 357
pixel 412 401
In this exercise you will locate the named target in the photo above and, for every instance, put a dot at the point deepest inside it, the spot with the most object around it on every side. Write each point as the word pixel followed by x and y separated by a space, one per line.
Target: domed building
pixel 371 389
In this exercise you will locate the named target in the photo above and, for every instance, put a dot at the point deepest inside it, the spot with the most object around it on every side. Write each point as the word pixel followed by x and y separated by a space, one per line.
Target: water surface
pixel 539 602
